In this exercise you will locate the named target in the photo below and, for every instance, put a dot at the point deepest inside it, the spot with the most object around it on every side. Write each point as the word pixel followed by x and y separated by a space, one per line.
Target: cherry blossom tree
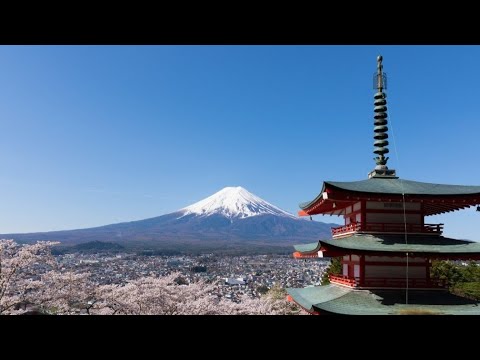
pixel 29 275
pixel 19 266
pixel 165 296
pixel 64 293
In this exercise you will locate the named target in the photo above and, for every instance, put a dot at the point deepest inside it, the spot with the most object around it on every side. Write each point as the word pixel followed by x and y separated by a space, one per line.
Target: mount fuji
pixel 234 203
pixel 231 218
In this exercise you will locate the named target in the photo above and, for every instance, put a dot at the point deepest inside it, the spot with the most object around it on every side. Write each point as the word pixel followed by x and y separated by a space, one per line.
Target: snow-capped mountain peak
pixel 234 202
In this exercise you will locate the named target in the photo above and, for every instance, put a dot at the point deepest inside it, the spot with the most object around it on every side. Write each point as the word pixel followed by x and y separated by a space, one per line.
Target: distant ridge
pixel 232 217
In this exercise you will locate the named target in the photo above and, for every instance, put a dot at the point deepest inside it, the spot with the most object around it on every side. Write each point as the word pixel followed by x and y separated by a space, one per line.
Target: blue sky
pixel 93 135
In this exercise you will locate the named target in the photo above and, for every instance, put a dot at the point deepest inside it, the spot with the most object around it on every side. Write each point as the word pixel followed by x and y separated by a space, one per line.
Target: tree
pixel 335 268
pixel 29 275
pixel 64 293
pixel 462 280
pixel 19 265
pixel 446 271
pixel 166 296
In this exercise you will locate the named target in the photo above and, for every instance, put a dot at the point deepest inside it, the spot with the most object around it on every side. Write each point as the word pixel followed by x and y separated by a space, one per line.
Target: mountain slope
pixel 232 214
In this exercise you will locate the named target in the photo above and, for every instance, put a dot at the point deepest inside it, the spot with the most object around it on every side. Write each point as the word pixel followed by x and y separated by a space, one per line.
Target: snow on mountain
pixel 234 202
pixel 233 216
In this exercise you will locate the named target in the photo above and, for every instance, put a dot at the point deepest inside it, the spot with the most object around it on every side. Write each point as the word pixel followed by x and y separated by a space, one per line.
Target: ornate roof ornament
pixel 380 129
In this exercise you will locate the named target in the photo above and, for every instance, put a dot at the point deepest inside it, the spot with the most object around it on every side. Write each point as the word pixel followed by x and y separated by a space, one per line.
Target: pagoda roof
pixel 342 300
pixel 388 189
pixel 408 187
pixel 423 244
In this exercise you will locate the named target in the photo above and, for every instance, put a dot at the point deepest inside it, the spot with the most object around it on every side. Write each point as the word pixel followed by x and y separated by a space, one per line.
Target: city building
pixel 235 281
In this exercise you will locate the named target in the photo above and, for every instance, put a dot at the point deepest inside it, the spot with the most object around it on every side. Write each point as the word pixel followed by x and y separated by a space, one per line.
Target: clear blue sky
pixel 92 135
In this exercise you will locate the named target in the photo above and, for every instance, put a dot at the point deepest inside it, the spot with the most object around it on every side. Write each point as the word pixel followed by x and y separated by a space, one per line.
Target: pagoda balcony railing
pixel 434 229
pixel 387 282
pixel 346 229
pixel 343 280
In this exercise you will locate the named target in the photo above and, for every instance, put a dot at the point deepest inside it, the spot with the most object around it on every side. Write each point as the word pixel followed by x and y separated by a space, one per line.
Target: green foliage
pixel 472 271
pixel 469 290
pixel 463 280
pixel 335 267
pixel 447 271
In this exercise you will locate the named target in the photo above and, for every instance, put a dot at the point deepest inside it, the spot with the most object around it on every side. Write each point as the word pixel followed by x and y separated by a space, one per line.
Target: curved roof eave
pixel 396 186
pixel 395 244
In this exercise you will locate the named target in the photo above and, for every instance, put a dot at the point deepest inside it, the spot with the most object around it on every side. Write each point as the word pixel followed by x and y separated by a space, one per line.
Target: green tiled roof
pixel 341 300
pixel 308 296
pixel 308 247
pixel 397 187
pixel 396 243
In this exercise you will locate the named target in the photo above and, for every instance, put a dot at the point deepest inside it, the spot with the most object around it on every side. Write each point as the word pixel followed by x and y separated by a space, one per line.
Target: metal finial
pixel 380 123
pixel 380 78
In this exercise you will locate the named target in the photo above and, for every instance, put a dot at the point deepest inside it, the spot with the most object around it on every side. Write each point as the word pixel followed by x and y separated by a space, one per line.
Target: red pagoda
pixel 386 246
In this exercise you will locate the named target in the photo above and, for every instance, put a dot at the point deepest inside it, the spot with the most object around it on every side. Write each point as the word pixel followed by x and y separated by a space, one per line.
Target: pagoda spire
pixel 380 124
